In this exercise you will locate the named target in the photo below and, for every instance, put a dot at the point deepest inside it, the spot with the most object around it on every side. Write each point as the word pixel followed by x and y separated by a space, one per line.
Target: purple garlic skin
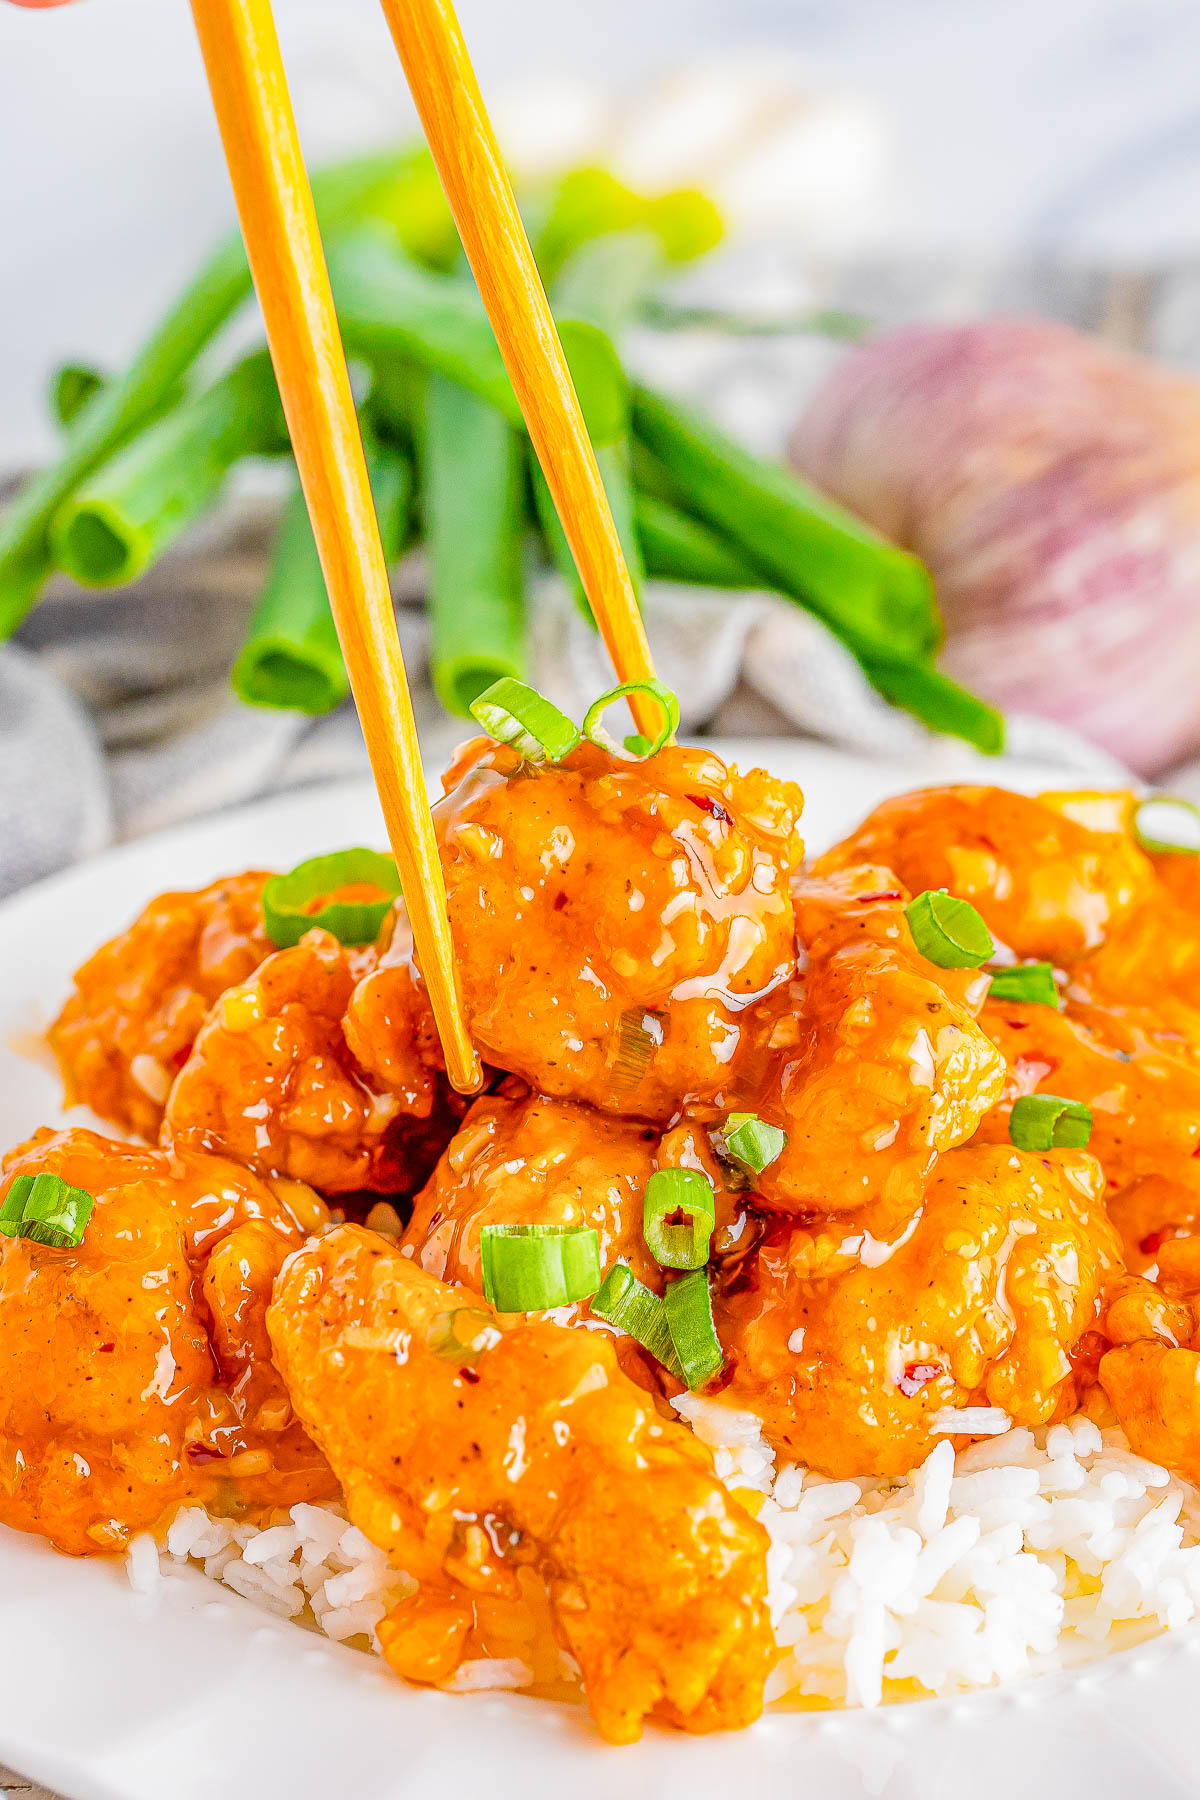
pixel 1052 486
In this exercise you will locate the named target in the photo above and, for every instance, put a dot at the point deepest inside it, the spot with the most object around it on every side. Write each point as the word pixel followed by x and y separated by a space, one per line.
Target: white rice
pixel 1026 1552
pixel 1030 1551
pixel 315 1564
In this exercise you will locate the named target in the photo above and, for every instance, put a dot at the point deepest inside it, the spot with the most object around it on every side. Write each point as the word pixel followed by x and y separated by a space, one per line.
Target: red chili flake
pixel 916 1376
pixel 560 900
pixel 204 1453
pixel 181 1056
pixel 1152 1243
pixel 883 894
pixel 106 1349
pixel 707 804
pixel 1017 1024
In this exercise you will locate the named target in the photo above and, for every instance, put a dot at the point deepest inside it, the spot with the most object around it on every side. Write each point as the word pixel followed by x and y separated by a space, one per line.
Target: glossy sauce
pixel 112 1405
pixel 614 921
pixel 536 1453
pixel 640 955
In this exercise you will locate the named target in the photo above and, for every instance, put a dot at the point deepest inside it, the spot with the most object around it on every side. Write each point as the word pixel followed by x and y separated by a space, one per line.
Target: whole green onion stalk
pixel 876 598
pixel 122 518
pixel 676 547
pixel 291 657
pixel 474 519
pixel 602 282
pixel 390 307
pixel 123 405
pixel 613 462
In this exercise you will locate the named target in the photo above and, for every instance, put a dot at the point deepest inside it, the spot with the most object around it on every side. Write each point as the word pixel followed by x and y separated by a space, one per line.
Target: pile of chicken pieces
pixel 642 951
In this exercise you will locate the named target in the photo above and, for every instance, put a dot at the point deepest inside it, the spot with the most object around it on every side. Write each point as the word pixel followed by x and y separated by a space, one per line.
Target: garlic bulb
pixel 1052 485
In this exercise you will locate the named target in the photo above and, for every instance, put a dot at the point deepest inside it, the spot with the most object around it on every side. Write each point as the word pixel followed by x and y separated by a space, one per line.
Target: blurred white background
pixel 987 126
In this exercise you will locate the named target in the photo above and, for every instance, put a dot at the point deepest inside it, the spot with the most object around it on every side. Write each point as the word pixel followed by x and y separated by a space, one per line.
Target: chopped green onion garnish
pixel 1045 1122
pixel 688 1305
pixel 534 1268
pixel 462 1335
pixel 639 1035
pixel 668 705
pixel 514 713
pixel 750 1140
pixel 678 1214
pixel 47 1210
pixel 947 931
pixel 1033 982
pixel 634 1309
pixel 1168 823
pixel 308 897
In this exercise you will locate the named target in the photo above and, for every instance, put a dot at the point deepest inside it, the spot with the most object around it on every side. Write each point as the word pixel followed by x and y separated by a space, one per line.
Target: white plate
pixel 194 1694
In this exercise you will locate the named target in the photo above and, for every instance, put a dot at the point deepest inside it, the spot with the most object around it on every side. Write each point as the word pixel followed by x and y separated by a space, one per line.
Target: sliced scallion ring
pixel 1046 1122
pixel 667 702
pixel 948 931
pixel 462 1335
pixel 634 1309
pixel 514 713
pixel 688 1306
pixel 534 1268
pixel 1165 823
pixel 678 1214
pixel 1031 982
pixel 47 1210
pixel 348 894
pixel 750 1140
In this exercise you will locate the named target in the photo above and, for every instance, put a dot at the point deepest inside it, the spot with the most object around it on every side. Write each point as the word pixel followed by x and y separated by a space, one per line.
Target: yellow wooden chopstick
pixel 464 147
pixel 275 207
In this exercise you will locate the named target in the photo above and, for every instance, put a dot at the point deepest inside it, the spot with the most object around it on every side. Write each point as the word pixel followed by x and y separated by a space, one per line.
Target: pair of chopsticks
pixel 275 207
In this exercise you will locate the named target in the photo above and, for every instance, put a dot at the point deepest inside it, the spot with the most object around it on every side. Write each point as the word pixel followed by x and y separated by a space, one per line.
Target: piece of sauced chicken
pixel 274 1079
pixel 522 1159
pixel 139 1002
pixel 113 1405
pixel 887 1066
pixel 471 1453
pixel 1049 885
pixel 1061 879
pixel 847 1348
pixel 1154 1390
pixel 613 920
pixel 1151 1374
pixel 1143 1092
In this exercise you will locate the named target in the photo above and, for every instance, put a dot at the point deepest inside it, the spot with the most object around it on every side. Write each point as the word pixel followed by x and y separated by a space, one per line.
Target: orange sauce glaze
pixel 323 1067
pixel 616 921
pixel 640 950
pixel 1063 879
pixel 139 1002
pixel 530 1454
pixel 134 1371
